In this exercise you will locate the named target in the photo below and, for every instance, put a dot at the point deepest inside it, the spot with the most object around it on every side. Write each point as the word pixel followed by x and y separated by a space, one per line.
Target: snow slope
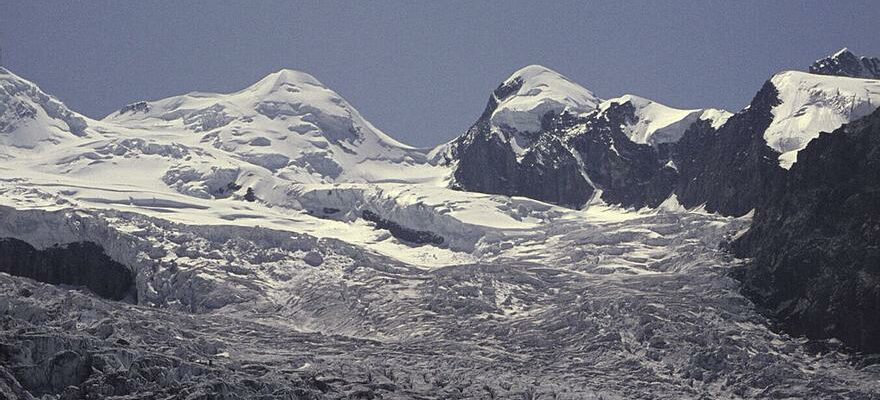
pixel 656 123
pixel 811 104
pixel 288 123
pixel 31 119
pixel 191 159
pixel 539 90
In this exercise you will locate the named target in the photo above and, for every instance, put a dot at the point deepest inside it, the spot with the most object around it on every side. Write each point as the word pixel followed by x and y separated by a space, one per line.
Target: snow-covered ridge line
pixel 658 123
pixel 287 123
pixel 31 118
pixel 845 63
pixel 285 93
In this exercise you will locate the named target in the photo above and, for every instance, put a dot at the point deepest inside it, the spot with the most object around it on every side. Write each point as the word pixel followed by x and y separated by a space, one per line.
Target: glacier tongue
pixel 603 303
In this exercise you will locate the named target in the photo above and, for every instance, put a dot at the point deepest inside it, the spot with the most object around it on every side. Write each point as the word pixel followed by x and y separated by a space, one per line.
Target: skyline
pixel 421 73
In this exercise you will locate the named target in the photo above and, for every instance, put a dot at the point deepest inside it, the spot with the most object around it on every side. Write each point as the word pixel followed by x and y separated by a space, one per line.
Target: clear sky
pixel 422 71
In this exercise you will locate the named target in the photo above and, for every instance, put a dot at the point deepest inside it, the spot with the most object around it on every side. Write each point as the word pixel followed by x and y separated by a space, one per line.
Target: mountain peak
pixel 845 63
pixel 842 52
pixel 531 71
pixel 533 91
pixel 283 78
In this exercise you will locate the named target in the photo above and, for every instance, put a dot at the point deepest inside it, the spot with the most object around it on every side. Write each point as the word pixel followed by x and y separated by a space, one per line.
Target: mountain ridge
pixel 803 105
pixel 845 63
pixel 277 244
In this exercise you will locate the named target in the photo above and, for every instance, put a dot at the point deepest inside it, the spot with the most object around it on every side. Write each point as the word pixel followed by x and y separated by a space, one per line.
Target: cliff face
pixel 487 163
pixel 731 169
pixel 633 151
pixel 630 174
pixel 815 241
pixel 77 264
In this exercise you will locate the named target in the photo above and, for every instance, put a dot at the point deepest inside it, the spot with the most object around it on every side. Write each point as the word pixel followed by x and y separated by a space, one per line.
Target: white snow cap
pixel 288 123
pixel 658 123
pixel 542 90
pixel 811 104
pixel 297 98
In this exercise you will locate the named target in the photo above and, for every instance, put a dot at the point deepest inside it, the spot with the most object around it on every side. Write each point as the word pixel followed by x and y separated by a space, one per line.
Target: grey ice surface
pixel 637 309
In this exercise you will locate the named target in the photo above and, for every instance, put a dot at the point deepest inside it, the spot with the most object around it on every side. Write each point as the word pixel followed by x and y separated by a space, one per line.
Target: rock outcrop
pixel 729 170
pixel 76 264
pixel 845 63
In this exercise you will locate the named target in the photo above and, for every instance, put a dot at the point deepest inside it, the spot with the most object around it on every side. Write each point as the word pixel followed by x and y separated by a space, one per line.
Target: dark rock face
pixel 141 106
pixel 549 172
pixel 630 174
pixel 815 242
pixel 401 232
pixel 76 264
pixel 573 156
pixel 486 163
pixel 845 63
pixel 731 169
pixel 250 195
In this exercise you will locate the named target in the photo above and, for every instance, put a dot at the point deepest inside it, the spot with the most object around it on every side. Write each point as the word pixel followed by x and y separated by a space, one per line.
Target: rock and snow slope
pixel 815 242
pixel 569 145
pixel 533 91
pixel 654 123
pixel 628 150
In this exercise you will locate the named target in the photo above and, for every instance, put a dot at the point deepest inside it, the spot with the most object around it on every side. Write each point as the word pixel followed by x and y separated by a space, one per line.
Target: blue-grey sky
pixel 422 71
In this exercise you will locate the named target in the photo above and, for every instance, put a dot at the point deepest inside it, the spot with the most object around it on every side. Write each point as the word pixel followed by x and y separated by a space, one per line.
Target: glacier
pixel 297 295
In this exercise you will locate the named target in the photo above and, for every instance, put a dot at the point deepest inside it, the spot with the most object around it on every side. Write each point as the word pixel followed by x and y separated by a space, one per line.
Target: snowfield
pixel 266 232
pixel 811 104
pixel 656 123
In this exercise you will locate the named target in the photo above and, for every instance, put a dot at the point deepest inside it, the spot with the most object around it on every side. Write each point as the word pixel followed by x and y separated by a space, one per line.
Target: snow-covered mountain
pixel 272 243
pixel 531 93
pixel 288 123
pixel 569 145
pixel 734 168
pixel 629 151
